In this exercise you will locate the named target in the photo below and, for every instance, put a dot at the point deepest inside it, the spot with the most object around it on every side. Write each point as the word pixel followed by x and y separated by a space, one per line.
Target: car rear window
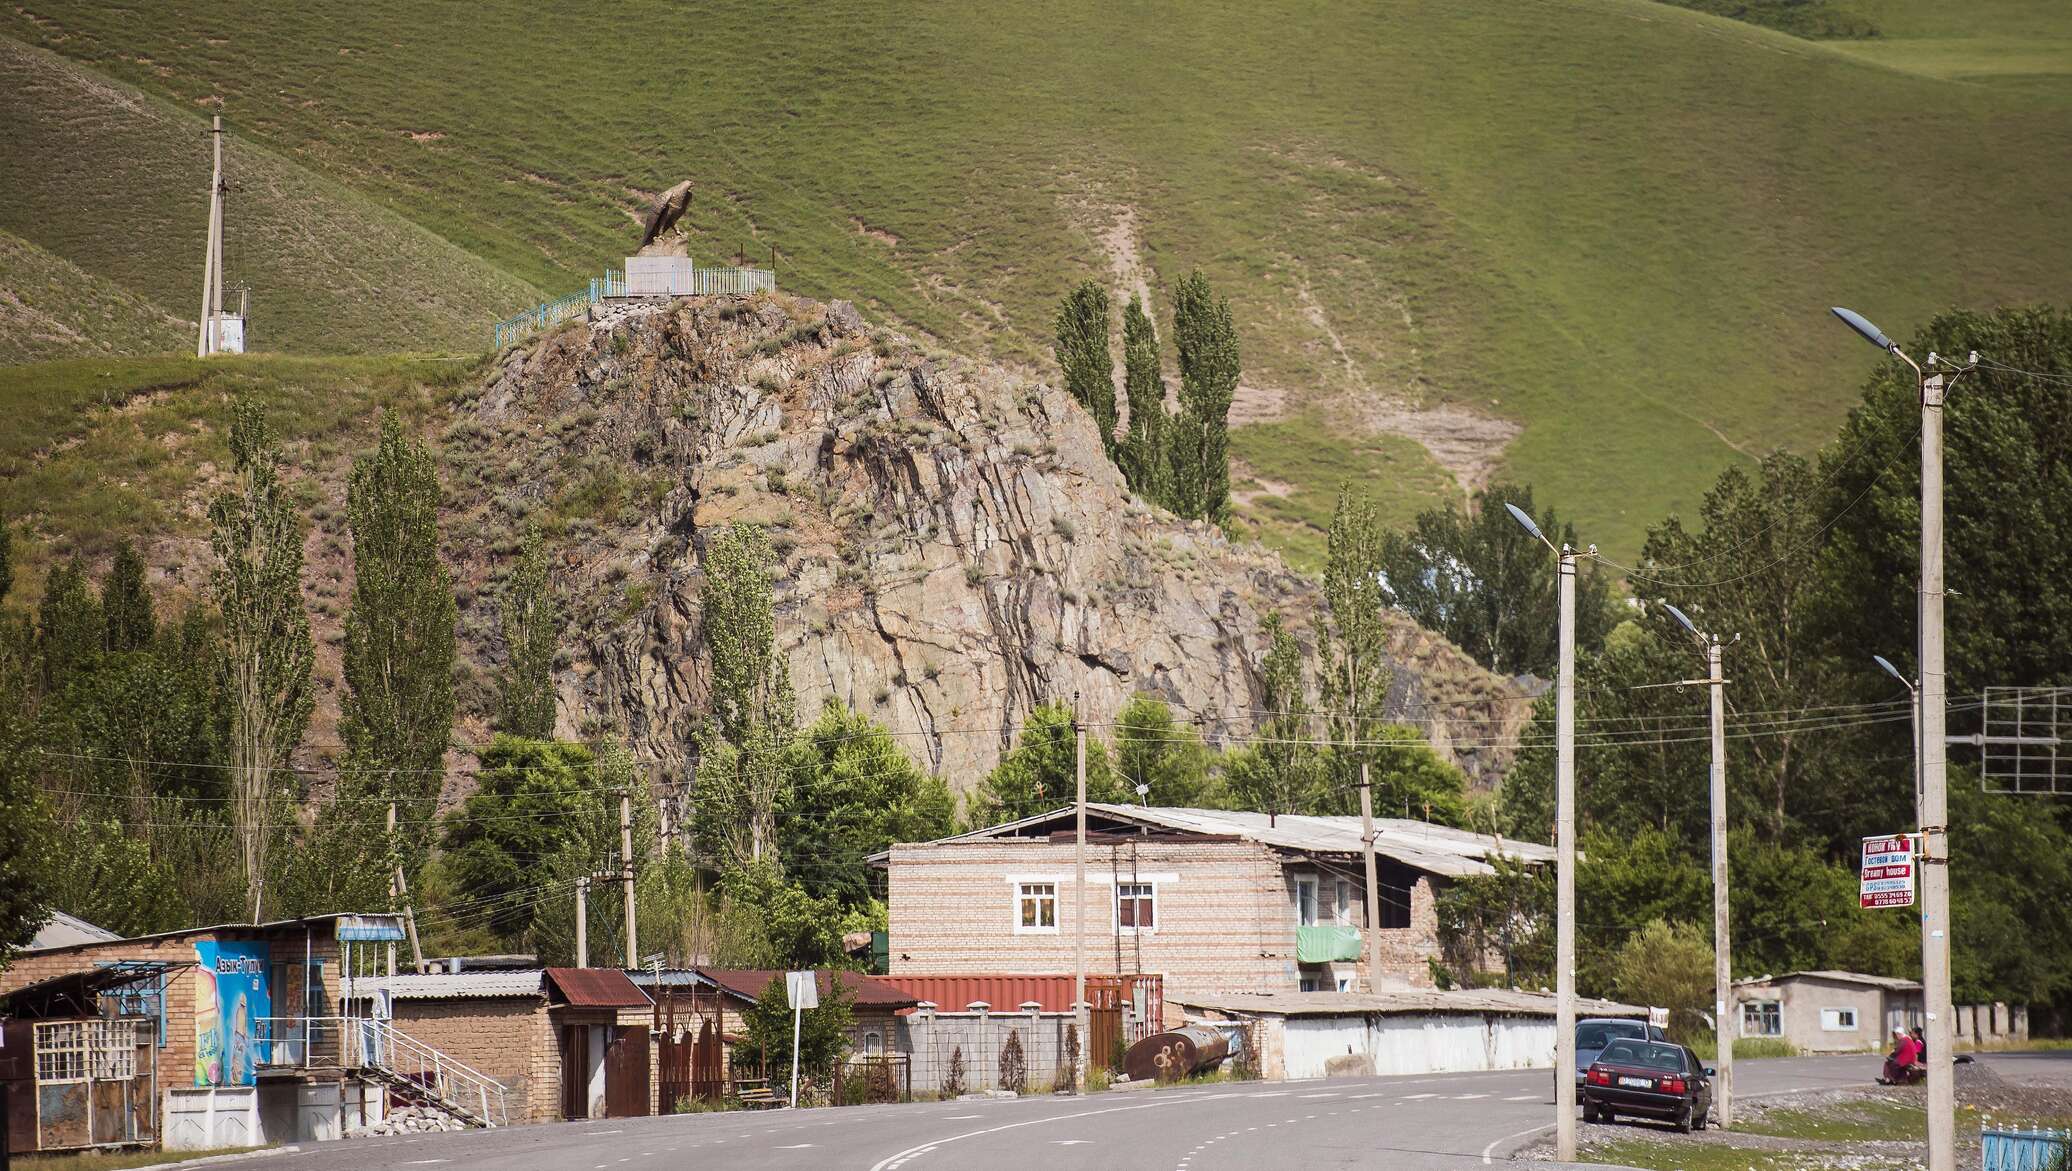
pixel 1598 1034
pixel 1644 1055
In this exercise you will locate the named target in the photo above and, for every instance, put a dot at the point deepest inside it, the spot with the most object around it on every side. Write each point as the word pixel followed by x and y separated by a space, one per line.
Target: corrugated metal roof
pixel 1411 1000
pixel 866 991
pixel 594 988
pixel 217 928
pixel 1436 849
pixel 66 930
pixel 1890 983
pixel 1002 993
pixel 458 985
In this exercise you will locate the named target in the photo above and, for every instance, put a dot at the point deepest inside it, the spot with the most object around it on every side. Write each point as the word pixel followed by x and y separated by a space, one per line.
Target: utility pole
pixel 626 875
pixel 398 889
pixel 212 264
pixel 1366 837
pixel 1079 1012
pixel 1934 753
pixel 583 922
pixel 1564 850
pixel 1723 1022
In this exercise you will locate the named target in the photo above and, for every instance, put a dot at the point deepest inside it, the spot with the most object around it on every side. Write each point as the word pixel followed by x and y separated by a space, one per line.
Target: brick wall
pixel 500 1036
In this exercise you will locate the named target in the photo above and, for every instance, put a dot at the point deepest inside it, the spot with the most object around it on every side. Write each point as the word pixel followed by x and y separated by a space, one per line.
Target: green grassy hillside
pixel 114 183
pixel 52 308
pixel 1615 223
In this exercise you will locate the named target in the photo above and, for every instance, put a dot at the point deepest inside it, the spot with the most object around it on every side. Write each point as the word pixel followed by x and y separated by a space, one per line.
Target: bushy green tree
pixel 530 614
pixel 128 623
pixel 1284 769
pixel 537 803
pixel 854 792
pixel 1669 965
pixel 257 583
pixel 1489 587
pixel 397 714
pixel 1040 773
pixel 766 921
pixel 1082 353
pixel 823 1031
pixel 28 844
pixel 1206 338
pixel 1143 454
pixel 1163 754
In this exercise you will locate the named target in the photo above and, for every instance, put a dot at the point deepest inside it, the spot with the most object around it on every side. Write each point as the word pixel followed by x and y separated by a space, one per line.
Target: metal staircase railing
pixel 390 1055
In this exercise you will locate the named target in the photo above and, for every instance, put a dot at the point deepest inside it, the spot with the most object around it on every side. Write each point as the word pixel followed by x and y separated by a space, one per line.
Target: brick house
pixel 565 1043
pixel 237 1015
pixel 1215 902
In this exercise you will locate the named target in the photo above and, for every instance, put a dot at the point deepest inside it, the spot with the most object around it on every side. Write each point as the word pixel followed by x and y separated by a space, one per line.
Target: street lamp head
pixel 1893 671
pixel 1871 333
pixel 1685 619
pixel 1522 517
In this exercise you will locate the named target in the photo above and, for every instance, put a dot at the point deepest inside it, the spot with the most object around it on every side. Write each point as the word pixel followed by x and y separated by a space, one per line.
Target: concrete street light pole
pixel 1565 852
pixel 1934 748
pixel 1724 1022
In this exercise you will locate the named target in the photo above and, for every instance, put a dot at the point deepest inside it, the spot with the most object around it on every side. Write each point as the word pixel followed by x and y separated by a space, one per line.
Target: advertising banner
pixel 230 1003
pixel 1888 871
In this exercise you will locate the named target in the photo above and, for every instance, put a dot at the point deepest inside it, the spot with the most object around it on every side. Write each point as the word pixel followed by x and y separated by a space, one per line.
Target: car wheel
pixel 1683 1120
pixel 1589 1112
pixel 1698 1118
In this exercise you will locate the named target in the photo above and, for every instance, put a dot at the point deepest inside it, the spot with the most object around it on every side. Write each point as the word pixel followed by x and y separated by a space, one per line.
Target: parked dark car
pixel 1649 1079
pixel 1594 1033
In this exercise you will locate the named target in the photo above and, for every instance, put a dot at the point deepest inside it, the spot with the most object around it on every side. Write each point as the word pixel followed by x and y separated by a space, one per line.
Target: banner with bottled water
pixel 230 1003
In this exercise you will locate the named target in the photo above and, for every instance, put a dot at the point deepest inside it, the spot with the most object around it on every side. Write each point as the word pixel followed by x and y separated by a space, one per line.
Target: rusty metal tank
pixel 1175 1054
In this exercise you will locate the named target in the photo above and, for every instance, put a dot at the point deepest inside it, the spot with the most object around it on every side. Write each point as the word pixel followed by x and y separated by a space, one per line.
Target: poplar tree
pixel 1353 648
pixel 128 623
pixel 397 715
pixel 1143 455
pixel 257 583
pixel 741 768
pixel 531 619
pixel 1207 342
pixel 1082 352
pixel 68 623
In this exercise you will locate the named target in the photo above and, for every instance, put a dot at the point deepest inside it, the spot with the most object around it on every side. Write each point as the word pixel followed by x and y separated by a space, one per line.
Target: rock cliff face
pixel 956 548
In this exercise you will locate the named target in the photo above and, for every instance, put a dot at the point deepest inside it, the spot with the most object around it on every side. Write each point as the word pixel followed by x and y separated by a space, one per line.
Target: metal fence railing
pixel 702 282
pixel 2025 1150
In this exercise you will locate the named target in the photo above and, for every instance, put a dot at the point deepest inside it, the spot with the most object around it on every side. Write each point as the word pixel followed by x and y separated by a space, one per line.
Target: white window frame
pixel 1838 1020
pixel 61 1051
pixel 1115 906
pixel 1754 1017
pixel 1345 983
pixel 1308 882
pixel 1024 893
pixel 873 1044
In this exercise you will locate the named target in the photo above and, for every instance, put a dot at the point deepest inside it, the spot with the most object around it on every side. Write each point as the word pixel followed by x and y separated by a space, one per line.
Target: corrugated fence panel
pixel 1003 993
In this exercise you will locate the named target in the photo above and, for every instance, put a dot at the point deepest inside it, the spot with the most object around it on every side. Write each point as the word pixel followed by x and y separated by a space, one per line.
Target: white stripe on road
pixel 1417 1097
pixel 898 1157
pixel 1468 1097
pixel 1526 1098
pixel 1332 1094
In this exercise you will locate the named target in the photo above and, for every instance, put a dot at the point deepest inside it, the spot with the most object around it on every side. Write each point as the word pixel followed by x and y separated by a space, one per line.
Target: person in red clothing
pixel 1903 1067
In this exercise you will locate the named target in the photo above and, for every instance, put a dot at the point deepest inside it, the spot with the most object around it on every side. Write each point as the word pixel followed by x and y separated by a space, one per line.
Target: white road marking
pixel 795 1147
pixel 961 1117
pixel 898 1157
pixel 1417 1097
pixel 1070 1142
pixel 608 1132
pixel 422 1162
pixel 1331 1094
pixel 1375 1094
pixel 1468 1097
pixel 1271 1094
pixel 1524 1098
pixel 1489 1152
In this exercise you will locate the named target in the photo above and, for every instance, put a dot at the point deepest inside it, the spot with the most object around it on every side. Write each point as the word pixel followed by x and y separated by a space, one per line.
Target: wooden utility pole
pixel 583 922
pixel 626 876
pixel 212 263
pixel 399 890
pixel 1079 1006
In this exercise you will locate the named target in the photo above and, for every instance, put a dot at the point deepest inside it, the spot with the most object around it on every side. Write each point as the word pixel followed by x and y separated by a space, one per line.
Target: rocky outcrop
pixel 956 547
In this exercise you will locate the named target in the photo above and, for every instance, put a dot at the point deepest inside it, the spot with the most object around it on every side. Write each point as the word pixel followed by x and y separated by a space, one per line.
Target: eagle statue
pixel 666 211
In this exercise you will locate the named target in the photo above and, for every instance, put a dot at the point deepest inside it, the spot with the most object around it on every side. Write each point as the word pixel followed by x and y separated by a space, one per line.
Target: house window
pixel 1315 981
pixel 1306 899
pixel 1136 907
pixel 1838 1020
pixel 873 1044
pixel 1038 906
pixel 61 1051
pixel 1345 983
pixel 1762 1018
pixel 1395 906
pixel 1342 903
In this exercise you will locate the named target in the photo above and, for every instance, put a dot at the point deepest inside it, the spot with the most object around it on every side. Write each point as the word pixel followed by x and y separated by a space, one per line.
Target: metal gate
pixel 1121 1010
pixel 708 1070
pixel 626 1072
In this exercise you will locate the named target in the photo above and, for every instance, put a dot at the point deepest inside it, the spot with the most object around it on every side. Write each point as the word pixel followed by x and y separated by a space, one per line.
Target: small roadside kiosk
pixel 79 1060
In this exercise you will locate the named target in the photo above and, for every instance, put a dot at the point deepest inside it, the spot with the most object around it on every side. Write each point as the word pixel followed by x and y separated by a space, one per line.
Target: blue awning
pixel 370 928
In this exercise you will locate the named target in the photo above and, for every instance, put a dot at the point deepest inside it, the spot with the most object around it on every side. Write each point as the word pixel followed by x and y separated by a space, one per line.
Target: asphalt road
pixel 1447 1121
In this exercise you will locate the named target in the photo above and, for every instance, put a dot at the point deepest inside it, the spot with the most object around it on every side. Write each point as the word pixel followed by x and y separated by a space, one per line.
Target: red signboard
pixel 1888 871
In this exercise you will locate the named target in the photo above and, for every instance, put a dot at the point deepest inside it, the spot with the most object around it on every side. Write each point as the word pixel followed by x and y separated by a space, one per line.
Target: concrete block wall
pixel 931 1038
